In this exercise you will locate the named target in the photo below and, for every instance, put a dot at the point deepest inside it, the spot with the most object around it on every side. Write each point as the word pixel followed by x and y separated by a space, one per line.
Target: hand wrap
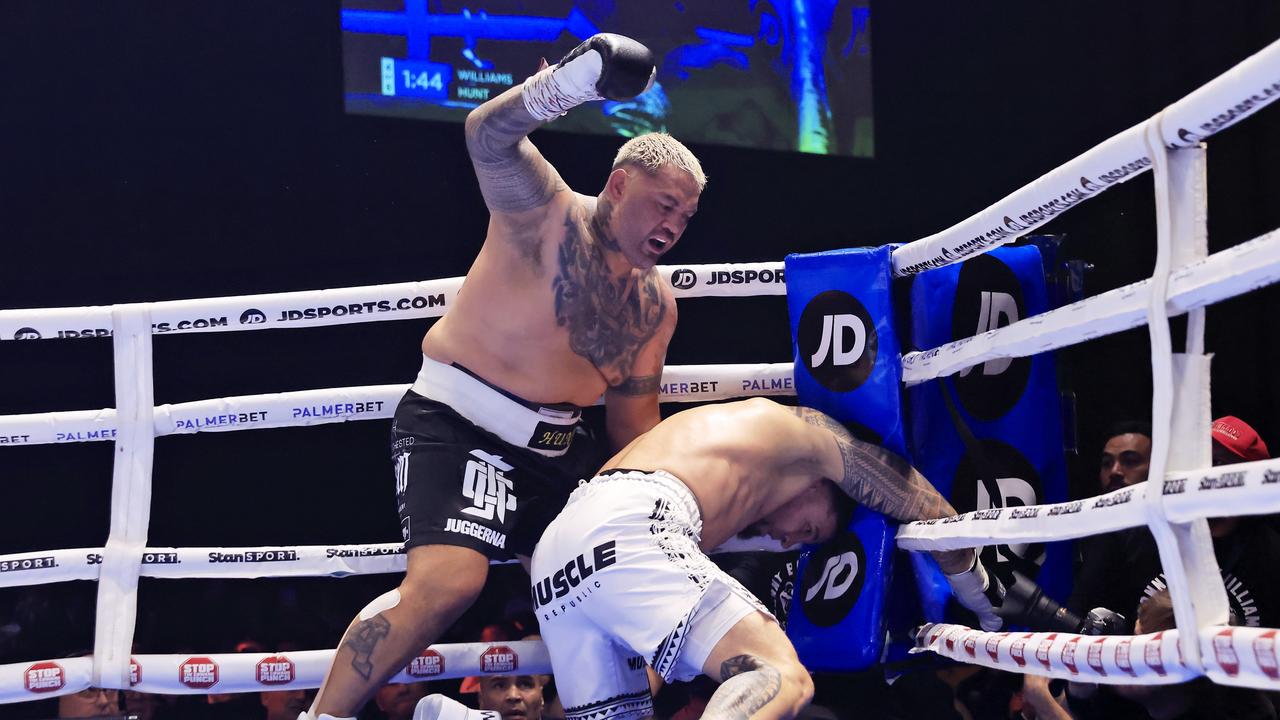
pixel 604 66
pixel 980 592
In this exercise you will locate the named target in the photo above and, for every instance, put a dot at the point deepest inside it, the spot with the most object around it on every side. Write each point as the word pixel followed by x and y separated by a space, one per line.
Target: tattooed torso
pixel 608 320
pixel 542 316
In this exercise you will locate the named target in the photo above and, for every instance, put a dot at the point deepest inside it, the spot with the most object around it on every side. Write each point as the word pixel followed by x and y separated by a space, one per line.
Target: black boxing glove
pixel 604 66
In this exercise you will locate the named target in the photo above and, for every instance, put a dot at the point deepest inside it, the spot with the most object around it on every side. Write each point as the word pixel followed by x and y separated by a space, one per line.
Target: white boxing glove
pixel 442 707
pixel 980 592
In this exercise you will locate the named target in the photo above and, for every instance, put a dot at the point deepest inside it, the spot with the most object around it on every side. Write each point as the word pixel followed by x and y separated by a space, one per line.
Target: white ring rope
pixel 1251 488
pixel 1243 90
pixel 1219 104
pixel 41 567
pixel 1232 655
pixel 345 306
pixel 200 673
pixel 1237 270
pixel 680 383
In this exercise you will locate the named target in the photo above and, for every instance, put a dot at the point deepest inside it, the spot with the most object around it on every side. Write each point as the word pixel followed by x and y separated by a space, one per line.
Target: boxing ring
pixel 1184 489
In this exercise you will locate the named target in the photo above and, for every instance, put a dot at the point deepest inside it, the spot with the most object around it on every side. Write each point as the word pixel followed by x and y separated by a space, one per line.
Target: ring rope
pixel 1234 655
pixel 680 383
pixel 41 567
pixel 1251 488
pixel 1222 102
pixel 345 306
pixel 191 674
pixel 1237 270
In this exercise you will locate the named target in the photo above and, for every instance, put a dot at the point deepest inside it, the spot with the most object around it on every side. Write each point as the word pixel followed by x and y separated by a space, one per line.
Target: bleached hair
pixel 654 150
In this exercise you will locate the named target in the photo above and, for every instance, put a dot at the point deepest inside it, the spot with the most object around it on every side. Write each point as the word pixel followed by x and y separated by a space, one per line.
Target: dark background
pixel 172 149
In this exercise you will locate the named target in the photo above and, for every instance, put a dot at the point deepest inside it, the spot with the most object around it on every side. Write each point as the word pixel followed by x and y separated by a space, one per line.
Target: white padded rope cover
pixel 173 563
pixel 1231 655
pixel 1245 489
pixel 680 383
pixel 201 673
pixel 1236 94
pixel 345 306
pixel 1234 271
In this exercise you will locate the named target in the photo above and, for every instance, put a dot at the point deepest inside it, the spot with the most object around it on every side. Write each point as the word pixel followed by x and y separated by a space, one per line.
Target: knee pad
pixel 382 603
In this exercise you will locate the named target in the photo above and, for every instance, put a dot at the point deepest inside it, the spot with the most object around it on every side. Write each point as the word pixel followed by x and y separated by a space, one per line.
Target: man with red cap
pixel 1235 441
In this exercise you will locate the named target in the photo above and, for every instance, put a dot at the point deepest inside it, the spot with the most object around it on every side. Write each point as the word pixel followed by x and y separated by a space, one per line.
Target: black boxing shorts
pixel 459 484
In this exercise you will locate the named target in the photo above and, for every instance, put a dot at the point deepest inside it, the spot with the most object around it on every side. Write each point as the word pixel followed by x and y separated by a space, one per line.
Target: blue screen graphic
pixel 776 75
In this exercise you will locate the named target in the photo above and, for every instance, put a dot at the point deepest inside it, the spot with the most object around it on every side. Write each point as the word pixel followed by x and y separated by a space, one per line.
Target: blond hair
pixel 653 151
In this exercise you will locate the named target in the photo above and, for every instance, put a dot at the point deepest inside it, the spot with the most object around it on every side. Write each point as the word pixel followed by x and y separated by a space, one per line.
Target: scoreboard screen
pixel 749 73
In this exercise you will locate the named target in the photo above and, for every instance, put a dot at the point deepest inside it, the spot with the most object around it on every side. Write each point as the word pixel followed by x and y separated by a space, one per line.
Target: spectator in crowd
pixel 285 704
pixel 233 706
pixel 146 706
pixel 1126 455
pixel 1235 441
pixel 516 697
pixel 397 700
pixel 90 702
pixel 492 633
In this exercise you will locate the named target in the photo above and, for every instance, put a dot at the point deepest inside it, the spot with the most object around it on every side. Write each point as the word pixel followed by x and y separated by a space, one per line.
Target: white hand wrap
pixel 551 92
pixel 971 589
pixel 441 707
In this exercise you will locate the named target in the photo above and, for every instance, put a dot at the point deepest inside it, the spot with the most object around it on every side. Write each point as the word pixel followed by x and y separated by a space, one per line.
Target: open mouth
pixel 657 245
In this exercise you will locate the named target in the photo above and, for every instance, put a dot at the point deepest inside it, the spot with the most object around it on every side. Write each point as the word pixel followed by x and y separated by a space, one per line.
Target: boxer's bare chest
pixel 608 317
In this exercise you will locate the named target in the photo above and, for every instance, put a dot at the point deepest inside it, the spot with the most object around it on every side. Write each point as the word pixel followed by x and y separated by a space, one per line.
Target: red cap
pixel 1235 435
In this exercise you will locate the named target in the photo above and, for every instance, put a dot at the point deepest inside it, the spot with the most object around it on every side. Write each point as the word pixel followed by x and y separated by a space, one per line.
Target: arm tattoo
pixel 639 385
pixel 513 175
pixel 608 319
pixel 748 685
pixel 879 479
pixel 362 641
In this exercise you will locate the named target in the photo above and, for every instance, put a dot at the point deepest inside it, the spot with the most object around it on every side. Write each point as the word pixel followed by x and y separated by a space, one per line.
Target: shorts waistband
pixel 545 429
pixel 670 485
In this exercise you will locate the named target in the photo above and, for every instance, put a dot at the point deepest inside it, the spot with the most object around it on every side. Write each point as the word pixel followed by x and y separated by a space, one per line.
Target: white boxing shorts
pixel 619 582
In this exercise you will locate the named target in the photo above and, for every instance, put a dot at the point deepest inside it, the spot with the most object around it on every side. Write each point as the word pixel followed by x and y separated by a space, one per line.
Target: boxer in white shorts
pixel 621 579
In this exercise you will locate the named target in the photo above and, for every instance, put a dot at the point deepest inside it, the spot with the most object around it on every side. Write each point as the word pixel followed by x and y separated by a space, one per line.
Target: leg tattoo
pixel 362 641
pixel 748 685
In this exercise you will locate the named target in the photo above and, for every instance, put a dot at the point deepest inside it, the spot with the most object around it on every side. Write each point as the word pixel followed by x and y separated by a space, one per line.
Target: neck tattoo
pixel 600 225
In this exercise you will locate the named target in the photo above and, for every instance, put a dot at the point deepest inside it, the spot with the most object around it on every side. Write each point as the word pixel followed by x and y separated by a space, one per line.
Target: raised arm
pixel 514 177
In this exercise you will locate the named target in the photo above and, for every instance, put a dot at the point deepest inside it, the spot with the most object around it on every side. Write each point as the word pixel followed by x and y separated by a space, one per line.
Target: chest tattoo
pixel 608 320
